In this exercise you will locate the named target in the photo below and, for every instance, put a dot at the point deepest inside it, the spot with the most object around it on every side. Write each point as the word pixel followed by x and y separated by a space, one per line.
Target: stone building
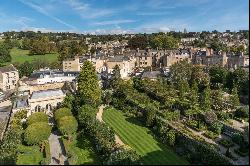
pixel 8 78
pixel 75 64
pixel 173 56
pixel 125 63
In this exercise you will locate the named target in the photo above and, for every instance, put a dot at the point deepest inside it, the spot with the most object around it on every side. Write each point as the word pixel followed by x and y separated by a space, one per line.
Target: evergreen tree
pixel 234 98
pixel 217 100
pixel 194 94
pixel 183 89
pixel 88 86
pixel 116 77
pixel 206 99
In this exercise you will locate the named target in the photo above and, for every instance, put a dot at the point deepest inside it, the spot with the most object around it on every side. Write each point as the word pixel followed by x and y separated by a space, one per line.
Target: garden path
pixel 99 117
pixel 56 148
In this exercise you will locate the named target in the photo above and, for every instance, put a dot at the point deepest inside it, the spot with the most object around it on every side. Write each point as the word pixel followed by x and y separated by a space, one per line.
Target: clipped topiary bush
pixel 62 112
pixel 36 133
pixel 67 125
pixel 37 117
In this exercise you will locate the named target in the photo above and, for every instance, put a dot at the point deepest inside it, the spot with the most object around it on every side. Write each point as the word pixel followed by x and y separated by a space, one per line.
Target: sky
pixel 123 16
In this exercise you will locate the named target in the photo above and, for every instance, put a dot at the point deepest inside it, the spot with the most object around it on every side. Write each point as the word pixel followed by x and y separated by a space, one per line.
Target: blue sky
pixel 123 16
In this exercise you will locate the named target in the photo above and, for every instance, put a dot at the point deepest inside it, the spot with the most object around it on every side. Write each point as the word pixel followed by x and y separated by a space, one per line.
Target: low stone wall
pixel 230 130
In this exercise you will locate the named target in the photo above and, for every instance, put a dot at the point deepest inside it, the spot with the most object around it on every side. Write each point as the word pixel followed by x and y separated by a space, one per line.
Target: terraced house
pixel 8 78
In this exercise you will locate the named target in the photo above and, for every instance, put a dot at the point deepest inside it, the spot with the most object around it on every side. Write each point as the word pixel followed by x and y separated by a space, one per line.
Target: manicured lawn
pixel 132 133
pixel 21 56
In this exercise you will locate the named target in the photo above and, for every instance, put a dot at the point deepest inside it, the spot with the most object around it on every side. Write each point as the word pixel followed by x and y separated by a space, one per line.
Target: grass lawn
pixel 21 56
pixel 132 133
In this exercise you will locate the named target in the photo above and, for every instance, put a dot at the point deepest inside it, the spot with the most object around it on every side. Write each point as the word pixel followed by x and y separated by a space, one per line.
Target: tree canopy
pixel 67 125
pixel 33 137
pixel 62 112
pixel 4 54
pixel 37 117
pixel 88 85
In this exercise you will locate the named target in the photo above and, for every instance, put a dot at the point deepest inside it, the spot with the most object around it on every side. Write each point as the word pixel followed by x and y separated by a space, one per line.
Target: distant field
pixel 132 133
pixel 21 56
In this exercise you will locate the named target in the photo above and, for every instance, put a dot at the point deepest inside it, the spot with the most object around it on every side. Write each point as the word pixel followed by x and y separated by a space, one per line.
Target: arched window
pixel 38 108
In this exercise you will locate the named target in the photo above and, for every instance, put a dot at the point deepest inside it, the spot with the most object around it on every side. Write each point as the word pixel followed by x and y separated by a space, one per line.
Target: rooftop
pixel 151 74
pixel 118 58
pixel 7 68
pixel 47 93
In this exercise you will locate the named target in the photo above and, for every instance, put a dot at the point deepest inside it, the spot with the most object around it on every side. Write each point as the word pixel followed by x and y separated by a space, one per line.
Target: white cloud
pixel 85 10
pixel 112 22
pixel 44 12
pixel 45 30
pixel 152 13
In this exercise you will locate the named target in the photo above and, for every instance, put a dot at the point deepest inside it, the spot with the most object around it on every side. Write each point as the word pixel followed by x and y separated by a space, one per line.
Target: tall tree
pixel 25 69
pixel 88 85
pixel 164 42
pixel 8 43
pixel 234 98
pixel 4 54
pixel 218 75
pixel 116 77
pixel 180 71
pixel 183 89
pixel 217 100
pixel 206 99
pixel 138 41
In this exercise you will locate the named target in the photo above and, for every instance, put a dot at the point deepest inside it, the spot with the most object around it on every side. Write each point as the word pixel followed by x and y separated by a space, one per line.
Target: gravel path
pixel 56 148
pixel 99 117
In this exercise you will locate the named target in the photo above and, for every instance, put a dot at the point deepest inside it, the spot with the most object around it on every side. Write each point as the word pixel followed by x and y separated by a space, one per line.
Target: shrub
pixel 62 112
pixel 28 155
pixel 222 116
pixel 36 133
pixel 37 117
pixel 226 143
pixel 211 135
pixel 242 112
pixel 171 137
pixel 238 138
pixel 123 156
pixel 67 125
pixel 242 151
pixel 216 127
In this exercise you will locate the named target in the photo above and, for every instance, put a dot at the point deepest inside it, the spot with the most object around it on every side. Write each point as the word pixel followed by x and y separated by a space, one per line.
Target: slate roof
pixel 52 73
pixel 151 74
pixel 46 93
pixel 9 68
pixel 118 58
